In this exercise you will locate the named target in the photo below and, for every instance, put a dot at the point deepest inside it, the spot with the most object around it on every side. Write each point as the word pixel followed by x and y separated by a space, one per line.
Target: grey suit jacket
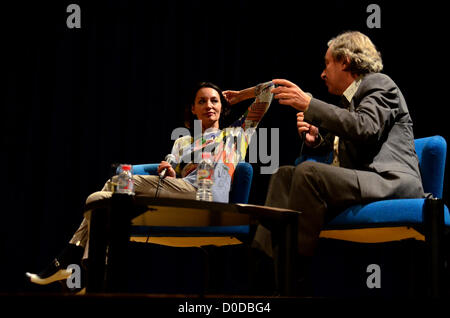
pixel 375 132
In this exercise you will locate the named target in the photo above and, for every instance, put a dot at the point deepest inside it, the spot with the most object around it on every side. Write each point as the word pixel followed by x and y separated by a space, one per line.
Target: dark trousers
pixel 321 191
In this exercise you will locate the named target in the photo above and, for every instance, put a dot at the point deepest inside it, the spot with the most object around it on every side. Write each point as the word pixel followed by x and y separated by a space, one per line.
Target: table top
pixel 163 211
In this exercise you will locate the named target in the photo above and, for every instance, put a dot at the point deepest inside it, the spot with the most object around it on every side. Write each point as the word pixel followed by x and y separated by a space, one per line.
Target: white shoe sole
pixel 59 275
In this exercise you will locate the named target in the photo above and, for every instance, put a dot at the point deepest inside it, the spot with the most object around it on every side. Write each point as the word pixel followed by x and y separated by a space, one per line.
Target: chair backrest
pixel 432 152
pixel 240 188
pixel 242 183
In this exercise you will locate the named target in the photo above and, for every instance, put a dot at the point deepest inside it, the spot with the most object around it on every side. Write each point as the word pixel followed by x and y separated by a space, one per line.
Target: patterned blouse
pixel 228 146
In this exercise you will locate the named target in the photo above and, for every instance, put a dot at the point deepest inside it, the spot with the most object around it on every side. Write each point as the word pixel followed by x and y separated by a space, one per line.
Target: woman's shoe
pixel 57 270
pixel 54 272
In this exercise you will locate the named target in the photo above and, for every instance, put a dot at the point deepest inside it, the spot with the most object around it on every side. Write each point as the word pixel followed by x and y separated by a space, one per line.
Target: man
pixel 370 134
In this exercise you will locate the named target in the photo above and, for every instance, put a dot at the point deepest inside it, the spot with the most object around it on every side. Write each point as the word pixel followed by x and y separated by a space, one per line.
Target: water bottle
pixel 205 174
pixel 125 182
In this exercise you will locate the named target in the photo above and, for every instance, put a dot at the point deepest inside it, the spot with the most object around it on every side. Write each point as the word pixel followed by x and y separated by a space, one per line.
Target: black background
pixel 74 101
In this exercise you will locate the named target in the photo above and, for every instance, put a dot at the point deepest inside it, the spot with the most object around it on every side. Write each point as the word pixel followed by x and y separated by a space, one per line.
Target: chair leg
pixel 434 230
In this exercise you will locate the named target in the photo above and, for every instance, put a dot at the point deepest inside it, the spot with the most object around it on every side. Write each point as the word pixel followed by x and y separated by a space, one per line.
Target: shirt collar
pixel 351 90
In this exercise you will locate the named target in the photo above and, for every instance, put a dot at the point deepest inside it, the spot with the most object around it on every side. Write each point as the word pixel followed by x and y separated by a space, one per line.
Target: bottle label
pixel 125 183
pixel 129 185
pixel 203 174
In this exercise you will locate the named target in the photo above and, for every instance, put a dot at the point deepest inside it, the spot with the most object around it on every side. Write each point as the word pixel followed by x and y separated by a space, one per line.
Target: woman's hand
pixel 312 132
pixel 170 172
pixel 232 97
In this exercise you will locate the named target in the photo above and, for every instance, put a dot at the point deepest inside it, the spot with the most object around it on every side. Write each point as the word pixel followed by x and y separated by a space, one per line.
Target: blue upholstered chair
pixel 423 219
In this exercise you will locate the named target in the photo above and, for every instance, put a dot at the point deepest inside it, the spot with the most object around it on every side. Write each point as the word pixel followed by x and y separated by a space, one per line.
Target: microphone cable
pixel 303 144
pixel 158 186
pixel 170 158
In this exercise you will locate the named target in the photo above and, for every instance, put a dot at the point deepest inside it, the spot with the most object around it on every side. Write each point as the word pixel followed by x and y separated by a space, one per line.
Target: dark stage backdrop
pixel 75 101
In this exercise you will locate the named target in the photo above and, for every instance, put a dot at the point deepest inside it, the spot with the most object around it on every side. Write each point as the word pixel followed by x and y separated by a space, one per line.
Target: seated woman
pixel 228 146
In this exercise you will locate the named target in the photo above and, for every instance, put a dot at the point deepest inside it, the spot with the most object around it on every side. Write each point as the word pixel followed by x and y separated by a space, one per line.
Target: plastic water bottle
pixel 205 175
pixel 125 182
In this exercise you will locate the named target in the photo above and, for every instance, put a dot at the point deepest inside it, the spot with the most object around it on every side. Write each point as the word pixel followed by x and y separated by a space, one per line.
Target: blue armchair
pixel 423 219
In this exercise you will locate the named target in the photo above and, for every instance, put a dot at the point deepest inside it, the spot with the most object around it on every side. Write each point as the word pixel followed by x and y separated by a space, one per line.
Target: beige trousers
pixel 143 185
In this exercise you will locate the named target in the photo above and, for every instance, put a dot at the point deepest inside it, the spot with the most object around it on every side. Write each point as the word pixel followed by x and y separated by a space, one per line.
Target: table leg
pixel 97 251
pixel 116 272
pixel 108 246
pixel 286 257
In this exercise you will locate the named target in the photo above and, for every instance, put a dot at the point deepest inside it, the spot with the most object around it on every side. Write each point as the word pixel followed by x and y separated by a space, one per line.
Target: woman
pixel 228 147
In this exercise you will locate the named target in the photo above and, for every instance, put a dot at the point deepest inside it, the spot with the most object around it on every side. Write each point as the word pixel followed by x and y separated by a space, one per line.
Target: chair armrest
pixel 242 181
pixel 432 152
pixel 146 169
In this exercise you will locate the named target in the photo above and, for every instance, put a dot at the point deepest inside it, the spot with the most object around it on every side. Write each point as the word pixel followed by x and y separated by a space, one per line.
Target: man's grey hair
pixel 358 48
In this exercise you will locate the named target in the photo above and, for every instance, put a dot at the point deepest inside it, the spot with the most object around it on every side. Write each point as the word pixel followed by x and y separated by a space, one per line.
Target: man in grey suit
pixel 370 134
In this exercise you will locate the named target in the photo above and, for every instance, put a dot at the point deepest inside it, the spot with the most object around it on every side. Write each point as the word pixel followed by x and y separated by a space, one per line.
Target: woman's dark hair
pixel 189 117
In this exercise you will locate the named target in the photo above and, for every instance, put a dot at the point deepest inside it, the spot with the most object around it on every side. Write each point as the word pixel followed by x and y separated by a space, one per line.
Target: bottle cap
pixel 126 167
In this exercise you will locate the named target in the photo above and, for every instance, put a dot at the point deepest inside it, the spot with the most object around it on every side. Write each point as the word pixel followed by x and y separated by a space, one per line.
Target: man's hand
pixel 290 94
pixel 312 132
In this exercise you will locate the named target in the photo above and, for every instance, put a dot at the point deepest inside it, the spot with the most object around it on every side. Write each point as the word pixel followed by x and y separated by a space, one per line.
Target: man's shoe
pixel 57 270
